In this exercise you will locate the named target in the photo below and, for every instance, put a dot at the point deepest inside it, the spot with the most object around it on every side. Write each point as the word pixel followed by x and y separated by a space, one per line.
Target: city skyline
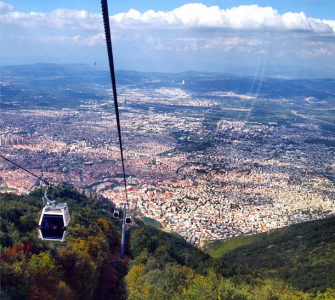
pixel 240 37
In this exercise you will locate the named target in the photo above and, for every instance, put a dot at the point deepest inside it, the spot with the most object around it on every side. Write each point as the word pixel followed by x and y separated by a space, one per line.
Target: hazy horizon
pixel 266 39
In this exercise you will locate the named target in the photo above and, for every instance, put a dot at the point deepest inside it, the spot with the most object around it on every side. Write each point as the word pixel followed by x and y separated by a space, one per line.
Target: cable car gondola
pixel 128 218
pixel 54 221
pixel 116 214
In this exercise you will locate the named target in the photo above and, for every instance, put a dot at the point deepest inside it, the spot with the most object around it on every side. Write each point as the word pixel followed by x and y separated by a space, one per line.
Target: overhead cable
pixel 24 169
pixel 105 15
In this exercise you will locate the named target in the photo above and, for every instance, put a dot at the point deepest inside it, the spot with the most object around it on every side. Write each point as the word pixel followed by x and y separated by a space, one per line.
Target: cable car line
pixel 24 169
pixel 55 217
pixel 105 15
pixel 126 213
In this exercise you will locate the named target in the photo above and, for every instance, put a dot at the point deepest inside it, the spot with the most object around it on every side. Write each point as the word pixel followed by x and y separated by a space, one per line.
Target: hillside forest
pixel 158 264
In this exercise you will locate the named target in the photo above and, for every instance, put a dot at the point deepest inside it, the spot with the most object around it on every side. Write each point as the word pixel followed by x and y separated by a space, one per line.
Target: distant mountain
pixel 73 85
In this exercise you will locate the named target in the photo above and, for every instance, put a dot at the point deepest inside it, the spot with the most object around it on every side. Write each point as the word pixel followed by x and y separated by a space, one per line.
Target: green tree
pixel 44 276
pixel 329 294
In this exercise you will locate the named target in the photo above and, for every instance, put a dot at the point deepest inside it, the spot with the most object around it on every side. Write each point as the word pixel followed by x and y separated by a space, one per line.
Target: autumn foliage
pixel 162 266
pixel 41 270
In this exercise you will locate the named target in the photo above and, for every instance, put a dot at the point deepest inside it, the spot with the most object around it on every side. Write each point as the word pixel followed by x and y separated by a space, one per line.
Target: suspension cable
pixel 113 81
pixel 24 169
pixel 105 15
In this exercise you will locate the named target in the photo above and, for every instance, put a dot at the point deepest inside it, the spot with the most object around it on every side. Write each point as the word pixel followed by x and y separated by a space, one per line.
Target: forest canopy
pixel 162 265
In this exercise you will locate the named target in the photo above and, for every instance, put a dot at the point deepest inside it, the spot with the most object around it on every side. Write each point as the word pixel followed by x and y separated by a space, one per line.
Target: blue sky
pixel 277 37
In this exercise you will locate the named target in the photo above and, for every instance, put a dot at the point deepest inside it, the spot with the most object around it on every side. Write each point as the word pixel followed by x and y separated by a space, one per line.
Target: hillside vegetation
pixel 166 267
pixel 301 254
pixel 162 265
pixel 77 269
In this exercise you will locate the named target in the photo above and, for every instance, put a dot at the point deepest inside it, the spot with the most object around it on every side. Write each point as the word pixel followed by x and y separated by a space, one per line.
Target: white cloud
pixel 330 23
pixel 318 49
pixel 36 39
pixel 193 33
pixel 245 17
pixel 190 44
pixel 194 15
pixel 5 7
pixel 318 52
pixel 97 39
pixel 56 19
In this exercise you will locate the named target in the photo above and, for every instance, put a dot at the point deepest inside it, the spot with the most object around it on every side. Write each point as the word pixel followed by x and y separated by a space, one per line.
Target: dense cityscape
pixel 203 175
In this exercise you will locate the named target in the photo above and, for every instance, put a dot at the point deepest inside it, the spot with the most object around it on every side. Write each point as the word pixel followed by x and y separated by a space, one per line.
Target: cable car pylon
pixel 123 239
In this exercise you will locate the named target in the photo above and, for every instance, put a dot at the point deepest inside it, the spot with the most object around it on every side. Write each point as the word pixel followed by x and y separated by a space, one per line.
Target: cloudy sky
pixel 277 37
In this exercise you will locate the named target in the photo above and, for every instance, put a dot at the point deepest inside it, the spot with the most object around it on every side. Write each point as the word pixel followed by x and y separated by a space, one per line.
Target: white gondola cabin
pixel 54 221
pixel 116 214
pixel 128 218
